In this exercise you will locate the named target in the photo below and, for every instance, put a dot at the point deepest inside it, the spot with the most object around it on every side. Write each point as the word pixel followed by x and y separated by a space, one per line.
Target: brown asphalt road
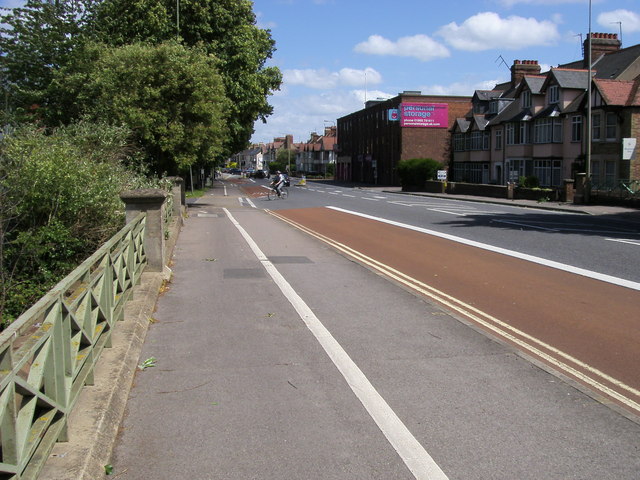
pixel 594 322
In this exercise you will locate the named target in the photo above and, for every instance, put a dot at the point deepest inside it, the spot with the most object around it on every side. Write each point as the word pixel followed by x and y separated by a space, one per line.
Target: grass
pixel 196 193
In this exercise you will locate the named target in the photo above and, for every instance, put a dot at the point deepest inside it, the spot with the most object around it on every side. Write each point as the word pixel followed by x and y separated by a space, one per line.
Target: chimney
pixel 601 44
pixel 520 68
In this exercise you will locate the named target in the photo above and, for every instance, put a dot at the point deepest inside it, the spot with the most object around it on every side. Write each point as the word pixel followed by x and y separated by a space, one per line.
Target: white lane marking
pixel 527 225
pixel 347 195
pixel 415 457
pixel 369 198
pixel 251 203
pixel 624 240
pixel 502 329
pixel 225 191
pixel 450 213
pixel 523 256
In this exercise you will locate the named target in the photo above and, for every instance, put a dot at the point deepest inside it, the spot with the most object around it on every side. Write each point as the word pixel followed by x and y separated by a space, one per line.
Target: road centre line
pixel 446 211
pixel 523 256
pixel 527 225
pixel 500 328
pixel 415 457
pixel 624 240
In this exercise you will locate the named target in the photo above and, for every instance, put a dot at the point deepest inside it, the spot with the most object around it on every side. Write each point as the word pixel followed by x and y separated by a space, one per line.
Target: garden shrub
pixel 59 202
pixel 416 171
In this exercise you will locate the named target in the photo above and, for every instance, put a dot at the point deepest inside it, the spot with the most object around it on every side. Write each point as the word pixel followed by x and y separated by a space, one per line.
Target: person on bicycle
pixel 278 182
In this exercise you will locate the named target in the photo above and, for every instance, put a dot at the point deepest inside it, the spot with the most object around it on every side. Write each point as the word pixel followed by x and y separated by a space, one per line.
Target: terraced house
pixel 534 125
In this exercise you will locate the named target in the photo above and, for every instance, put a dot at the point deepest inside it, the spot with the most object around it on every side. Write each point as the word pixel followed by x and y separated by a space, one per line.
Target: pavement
pixel 241 390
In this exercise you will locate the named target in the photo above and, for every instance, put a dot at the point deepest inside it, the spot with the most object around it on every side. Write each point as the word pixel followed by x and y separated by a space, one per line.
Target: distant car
pixel 235 171
pixel 258 174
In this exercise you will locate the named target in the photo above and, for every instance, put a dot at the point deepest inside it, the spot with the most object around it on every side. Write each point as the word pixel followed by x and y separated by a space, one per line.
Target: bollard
pixel 150 201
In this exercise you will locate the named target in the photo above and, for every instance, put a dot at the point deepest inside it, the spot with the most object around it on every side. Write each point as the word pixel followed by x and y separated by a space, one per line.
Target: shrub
pixel 59 201
pixel 529 182
pixel 416 171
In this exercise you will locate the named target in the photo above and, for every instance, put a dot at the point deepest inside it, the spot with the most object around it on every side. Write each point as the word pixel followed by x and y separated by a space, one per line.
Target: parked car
pixel 259 174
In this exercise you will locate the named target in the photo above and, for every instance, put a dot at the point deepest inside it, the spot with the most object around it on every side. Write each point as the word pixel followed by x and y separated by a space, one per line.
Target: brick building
pixel 372 141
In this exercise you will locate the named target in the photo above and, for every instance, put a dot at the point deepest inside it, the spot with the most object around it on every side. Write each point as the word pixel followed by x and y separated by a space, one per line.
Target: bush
pixel 529 182
pixel 416 171
pixel 59 201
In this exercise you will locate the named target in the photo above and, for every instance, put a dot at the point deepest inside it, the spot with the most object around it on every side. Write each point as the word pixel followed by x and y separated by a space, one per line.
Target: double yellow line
pixel 526 342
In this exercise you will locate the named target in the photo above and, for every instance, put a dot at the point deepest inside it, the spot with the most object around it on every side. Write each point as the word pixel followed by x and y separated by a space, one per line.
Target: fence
pixel 48 354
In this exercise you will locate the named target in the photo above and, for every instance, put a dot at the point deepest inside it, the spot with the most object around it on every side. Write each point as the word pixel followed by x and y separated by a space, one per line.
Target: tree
pixel 171 97
pixel 225 28
pixel 35 41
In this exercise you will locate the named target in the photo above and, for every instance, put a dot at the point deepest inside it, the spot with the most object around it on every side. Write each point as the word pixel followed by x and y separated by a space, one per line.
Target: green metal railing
pixel 621 189
pixel 48 354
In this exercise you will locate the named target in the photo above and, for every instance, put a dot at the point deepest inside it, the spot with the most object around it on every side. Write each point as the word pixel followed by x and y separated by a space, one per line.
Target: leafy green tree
pixel 225 28
pixel 171 97
pixel 35 41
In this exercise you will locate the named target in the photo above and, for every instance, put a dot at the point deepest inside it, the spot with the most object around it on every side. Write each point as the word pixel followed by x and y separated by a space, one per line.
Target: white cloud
pixel 421 47
pixel 460 88
pixel 323 79
pixel 511 3
pixel 487 30
pixel 303 115
pixel 630 20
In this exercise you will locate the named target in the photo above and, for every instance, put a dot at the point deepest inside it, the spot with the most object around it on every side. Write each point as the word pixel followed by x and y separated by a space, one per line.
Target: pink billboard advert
pixel 424 115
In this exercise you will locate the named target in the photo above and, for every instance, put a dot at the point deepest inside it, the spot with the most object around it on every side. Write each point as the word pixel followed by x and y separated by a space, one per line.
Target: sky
pixel 336 54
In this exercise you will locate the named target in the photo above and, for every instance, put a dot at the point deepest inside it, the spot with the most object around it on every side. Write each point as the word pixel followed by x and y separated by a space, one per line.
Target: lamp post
pixel 587 169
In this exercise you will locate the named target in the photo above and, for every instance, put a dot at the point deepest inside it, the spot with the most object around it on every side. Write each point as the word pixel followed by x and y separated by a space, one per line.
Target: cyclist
pixel 278 183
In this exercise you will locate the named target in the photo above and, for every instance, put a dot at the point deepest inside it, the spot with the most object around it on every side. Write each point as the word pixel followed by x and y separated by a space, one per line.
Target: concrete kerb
pixel 94 422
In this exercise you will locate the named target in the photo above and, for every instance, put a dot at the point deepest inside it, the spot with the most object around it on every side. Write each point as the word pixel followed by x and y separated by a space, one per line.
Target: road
pixel 562 288
pixel 280 357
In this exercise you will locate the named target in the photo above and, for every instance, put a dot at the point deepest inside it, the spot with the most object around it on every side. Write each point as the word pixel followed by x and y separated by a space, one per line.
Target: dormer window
pixel 526 99
pixel 493 106
pixel 554 94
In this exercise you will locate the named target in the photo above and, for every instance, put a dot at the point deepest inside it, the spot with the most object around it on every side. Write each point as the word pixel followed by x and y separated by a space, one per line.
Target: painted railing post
pixel 150 201
pixel 179 197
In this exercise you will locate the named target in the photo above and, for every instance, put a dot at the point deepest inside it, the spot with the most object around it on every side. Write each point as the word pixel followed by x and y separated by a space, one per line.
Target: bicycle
pixel 272 194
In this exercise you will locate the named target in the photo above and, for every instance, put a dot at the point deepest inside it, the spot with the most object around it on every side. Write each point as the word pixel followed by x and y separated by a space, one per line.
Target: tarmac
pixel 163 422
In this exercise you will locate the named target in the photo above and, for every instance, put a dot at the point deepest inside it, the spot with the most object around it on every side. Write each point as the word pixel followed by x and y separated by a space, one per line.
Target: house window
pixel 486 140
pixel 595 173
pixel 595 126
pixel 493 107
pixel 526 99
pixel 610 129
pixel 547 130
pixel 554 96
pixel 576 128
pixel 498 139
pixel 549 172
pixel 517 133
pixel 610 174
pixel 458 142
pixel 476 141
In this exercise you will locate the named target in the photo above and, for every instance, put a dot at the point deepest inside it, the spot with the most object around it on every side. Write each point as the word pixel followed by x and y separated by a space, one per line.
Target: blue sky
pixel 336 53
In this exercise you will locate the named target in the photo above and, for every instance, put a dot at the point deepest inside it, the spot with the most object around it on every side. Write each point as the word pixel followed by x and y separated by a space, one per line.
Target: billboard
pixel 424 115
